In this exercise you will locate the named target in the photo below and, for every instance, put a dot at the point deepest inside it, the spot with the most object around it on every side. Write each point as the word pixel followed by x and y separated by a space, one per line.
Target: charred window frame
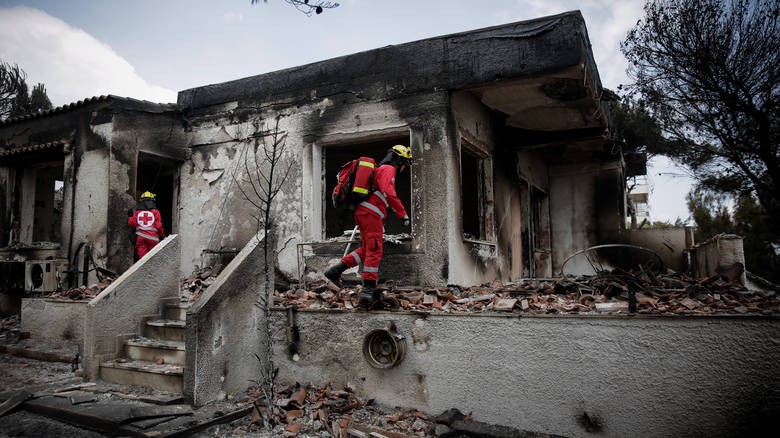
pixel 339 221
pixel 34 205
pixel 47 213
pixel 476 188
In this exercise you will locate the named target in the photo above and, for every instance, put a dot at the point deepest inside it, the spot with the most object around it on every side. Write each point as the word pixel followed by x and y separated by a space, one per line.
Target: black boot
pixel 366 297
pixel 377 300
pixel 334 273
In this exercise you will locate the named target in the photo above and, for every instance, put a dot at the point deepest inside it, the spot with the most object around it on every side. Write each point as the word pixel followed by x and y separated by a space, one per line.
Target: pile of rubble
pixel 615 291
pixel 311 411
pixel 83 292
pixel 328 412
pixel 193 286
pixel 10 330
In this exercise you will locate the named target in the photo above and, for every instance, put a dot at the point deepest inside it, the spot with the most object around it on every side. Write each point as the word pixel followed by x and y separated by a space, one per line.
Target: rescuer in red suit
pixel 147 222
pixel 370 217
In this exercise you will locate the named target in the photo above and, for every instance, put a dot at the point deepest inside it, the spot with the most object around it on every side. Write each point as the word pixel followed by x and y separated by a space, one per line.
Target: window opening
pixel 541 227
pixel 476 193
pixel 339 221
pixel 47 209
pixel 471 192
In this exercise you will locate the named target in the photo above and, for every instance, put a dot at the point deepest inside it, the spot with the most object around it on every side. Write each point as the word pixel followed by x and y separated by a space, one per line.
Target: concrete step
pixel 150 350
pixel 164 377
pixel 165 329
pixel 177 311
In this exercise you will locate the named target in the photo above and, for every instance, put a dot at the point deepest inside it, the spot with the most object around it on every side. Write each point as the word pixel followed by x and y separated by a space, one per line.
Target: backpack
pixel 355 182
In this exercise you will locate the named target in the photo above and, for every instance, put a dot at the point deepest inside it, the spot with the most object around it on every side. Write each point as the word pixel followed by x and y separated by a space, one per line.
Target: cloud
pixel 232 17
pixel 70 62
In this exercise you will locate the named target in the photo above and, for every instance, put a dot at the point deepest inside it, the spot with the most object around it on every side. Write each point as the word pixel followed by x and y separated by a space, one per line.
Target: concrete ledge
pixel 569 375
pixel 50 356
pixel 54 318
pixel 165 378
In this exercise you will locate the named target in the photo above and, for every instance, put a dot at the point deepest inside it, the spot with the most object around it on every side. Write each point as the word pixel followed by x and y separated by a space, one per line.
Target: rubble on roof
pixel 613 292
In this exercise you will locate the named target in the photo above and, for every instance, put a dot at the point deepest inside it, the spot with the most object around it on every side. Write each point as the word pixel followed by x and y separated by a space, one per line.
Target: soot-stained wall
pixel 97 141
pixel 572 376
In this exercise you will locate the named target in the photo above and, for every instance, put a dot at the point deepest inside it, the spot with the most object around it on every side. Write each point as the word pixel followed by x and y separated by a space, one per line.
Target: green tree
pixel 755 226
pixel 709 72
pixel 709 213
pixel 15 100
pixel 634 129
pixel 39 100
pixel 11 80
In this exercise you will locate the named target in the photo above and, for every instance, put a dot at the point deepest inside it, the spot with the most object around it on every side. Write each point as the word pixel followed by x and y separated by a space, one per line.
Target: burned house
pixel 512 174
pixel 68 177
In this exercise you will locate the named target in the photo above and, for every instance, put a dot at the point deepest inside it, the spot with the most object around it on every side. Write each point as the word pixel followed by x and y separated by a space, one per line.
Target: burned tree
pixel 260 177
pixel 308 7
pixel 709 71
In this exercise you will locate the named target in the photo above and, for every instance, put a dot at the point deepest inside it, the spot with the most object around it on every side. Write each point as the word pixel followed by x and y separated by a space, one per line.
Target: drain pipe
pixel 293 334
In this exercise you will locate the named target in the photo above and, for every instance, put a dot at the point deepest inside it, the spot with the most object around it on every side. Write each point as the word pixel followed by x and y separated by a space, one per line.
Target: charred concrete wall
pixel 584 208
pixel 669 243
pixel 70 137
pixel 570 376
pixel 224 332
pixel 97 142
pixel 215 180
pixel 490 257
pixel 157 134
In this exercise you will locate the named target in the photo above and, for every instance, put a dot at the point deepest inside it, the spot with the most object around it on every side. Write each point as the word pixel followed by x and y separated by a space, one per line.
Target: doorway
pixel 159 176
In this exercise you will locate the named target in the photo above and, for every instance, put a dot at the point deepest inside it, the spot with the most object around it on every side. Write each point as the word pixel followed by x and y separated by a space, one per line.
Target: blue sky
pixel 151 49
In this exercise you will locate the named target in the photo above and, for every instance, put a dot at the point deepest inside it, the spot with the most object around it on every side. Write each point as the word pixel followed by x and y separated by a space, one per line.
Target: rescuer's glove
pixel 406 220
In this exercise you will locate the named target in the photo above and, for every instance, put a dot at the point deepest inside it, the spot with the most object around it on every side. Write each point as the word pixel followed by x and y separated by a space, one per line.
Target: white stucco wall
pixel 53 318
pixel 90 220
pixel 634 376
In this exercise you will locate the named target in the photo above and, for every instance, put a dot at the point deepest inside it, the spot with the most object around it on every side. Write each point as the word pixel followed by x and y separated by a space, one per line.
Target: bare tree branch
pixel 307 6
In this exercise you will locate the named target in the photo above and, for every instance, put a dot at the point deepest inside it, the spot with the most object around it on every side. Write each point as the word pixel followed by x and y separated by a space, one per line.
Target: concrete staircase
pixel 156 358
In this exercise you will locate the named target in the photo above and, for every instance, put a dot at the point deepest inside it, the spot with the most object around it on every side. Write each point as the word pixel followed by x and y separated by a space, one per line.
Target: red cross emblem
pixel 145 219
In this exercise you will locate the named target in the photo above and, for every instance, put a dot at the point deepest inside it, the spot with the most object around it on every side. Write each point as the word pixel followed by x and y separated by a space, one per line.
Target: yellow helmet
pixel 148 195
pixel 402 151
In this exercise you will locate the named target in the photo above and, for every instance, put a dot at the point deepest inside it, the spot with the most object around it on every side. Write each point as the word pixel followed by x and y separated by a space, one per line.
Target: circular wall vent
pixel 384 349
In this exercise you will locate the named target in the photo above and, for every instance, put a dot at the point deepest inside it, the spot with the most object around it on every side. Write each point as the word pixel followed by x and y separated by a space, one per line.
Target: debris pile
pixel 10 330
pixel 194 285
pixel 299 410
pixel 615 291
pixel 83 292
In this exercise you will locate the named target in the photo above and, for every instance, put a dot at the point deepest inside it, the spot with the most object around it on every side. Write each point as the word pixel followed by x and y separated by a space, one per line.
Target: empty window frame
pixel 339 221
pixel 476 190
pixel 47 206
pixel 540 208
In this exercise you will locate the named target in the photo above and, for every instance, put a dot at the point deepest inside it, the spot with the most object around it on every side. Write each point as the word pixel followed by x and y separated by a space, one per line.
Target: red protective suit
pixel 370 217
pixel 148 229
